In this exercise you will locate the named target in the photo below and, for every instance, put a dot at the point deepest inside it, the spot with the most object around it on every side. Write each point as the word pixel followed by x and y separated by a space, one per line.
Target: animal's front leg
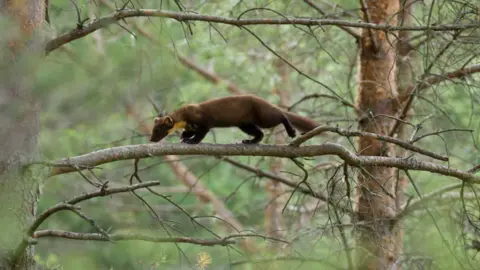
pixel 190 131
pixel 199 135
pixel 187 134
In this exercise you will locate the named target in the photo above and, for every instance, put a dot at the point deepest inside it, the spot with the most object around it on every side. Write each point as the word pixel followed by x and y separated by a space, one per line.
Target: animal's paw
pixel 249 142
pixel 188 141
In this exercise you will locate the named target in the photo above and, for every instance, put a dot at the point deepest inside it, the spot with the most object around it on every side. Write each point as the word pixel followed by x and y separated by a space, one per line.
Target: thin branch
pixel 132 237
pixel 70 205
pixel 353 33
pixel 156 149
pixel 474 169
pixel 104 191
pixel 368 20
pixel 91 222
pixel 439 132
pixel 428 82
pixel 47 213
pixel 312 96
pixel 105 21
pixel 304 190
pixel 348 133
pixel 419 203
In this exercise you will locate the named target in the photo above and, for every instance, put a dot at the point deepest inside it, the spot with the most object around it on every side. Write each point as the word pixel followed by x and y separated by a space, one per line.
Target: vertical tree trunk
pixel 20 48
pixel 377 86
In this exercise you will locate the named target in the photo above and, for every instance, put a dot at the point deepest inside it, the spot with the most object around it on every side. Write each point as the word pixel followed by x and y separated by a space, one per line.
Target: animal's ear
pixel 168 121
pixel 157 119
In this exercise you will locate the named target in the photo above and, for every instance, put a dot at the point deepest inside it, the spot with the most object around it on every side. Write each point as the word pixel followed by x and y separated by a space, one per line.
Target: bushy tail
pixel 302 123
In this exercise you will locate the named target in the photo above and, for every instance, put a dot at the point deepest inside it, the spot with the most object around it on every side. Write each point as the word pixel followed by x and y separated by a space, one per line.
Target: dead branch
pixel 353 33
pixel 113 18
pixel 70 205
pixel 261 173
pixel 160 149
pixel 428 82
pixel 414 140
pixel 354 133
pixel 418 203
pixel 132 237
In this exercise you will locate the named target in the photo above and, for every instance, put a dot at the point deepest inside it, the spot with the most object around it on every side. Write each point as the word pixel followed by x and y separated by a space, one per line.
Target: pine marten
pixel 247 112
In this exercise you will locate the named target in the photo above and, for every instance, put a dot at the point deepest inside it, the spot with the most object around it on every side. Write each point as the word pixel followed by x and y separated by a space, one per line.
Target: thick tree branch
pixel 132 237
pixel 103 22
pixel 160 149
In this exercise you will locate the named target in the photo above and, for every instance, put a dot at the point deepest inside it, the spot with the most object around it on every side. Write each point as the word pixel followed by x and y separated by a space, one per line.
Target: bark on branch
pixel 103 22
pixel 355 133
pixel 132 236
pixel 158 149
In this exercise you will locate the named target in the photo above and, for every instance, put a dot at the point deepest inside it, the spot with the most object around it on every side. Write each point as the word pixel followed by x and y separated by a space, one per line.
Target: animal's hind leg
pixel 252 130
pixel 288 126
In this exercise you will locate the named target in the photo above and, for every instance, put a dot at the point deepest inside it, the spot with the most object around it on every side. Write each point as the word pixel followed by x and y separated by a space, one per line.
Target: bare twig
pixel 70 205
pixel 426 83
pixel 90 221
pixel 417 204
pixel 132 236
pixel 353 33
pixel 354 133
pixel 307 97
pixel 261 173
pixel 474 169
pixel 439 132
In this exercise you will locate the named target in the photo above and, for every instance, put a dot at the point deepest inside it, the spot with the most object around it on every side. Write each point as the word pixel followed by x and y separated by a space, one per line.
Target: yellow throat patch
pixel 177 126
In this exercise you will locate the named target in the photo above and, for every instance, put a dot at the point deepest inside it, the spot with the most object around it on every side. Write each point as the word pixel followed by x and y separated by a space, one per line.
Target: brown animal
pixel 247 112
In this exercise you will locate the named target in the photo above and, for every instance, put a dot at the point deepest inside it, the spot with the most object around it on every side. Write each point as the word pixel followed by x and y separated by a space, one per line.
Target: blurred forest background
pixel 97 92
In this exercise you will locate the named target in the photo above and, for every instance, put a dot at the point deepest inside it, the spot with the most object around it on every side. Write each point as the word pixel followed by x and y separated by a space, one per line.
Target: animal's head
pixel 161 128
pixel 164 125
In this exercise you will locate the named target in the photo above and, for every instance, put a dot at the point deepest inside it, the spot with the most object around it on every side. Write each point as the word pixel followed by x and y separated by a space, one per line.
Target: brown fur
pixel 247 112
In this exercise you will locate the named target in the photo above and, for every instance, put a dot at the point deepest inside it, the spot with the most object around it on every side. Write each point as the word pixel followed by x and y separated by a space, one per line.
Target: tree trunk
pixel 20 51
pixel 377 87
